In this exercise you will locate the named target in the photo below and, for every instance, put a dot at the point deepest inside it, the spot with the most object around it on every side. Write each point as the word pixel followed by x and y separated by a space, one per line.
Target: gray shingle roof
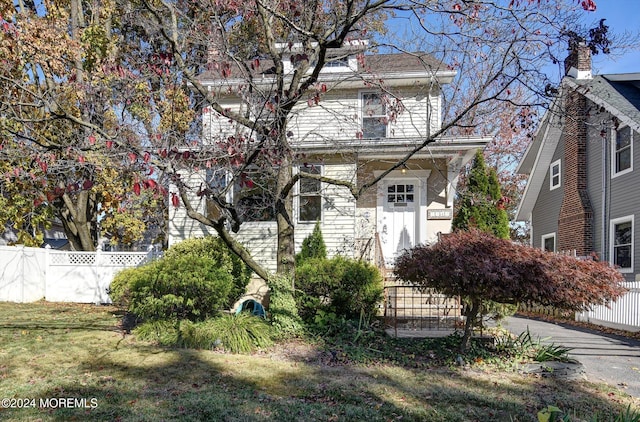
pixel 376 64
pixel 401 62
pixel 619 93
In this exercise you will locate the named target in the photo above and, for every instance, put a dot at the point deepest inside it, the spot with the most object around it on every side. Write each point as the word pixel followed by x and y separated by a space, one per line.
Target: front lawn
pixel 71 362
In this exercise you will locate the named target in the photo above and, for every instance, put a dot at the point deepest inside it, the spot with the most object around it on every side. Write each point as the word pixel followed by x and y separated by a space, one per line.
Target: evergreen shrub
pixel 313 246
pixel 173 288
pixel 345 287
pixel 283 311
pixel 212 247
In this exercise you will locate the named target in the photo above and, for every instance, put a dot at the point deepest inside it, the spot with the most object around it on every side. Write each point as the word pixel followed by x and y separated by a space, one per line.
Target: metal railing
pixel 408 307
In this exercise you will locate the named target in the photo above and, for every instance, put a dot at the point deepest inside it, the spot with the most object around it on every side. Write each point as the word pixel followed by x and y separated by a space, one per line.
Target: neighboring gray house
pixel 583 191
pixel 351 136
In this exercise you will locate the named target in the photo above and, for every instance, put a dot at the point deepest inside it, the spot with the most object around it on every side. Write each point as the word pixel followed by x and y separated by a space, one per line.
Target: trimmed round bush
pixel 173 288
pixel 212 247
pixel 344 287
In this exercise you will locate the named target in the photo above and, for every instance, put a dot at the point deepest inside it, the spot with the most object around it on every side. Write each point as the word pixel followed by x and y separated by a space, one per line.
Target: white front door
pixel 398 221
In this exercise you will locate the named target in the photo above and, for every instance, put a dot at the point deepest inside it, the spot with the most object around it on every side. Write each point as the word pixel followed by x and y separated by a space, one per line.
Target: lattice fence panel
pixel 126 260
pixel 73 258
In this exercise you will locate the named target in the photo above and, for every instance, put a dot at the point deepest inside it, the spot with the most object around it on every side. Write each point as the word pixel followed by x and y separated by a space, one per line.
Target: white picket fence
pixel 623 313
pixel 31 274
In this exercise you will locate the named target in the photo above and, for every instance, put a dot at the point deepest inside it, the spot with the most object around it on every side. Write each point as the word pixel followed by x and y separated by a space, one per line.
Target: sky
pixel 621 16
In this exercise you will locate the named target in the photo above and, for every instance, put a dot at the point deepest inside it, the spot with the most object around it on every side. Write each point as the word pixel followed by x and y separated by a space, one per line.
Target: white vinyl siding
pixel 333 119
pixel 337 118
pixel 180 225
pixel 622 246
pixel 338 213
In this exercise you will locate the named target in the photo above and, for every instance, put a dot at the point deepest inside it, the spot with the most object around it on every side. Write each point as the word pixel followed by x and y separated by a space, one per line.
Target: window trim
pixel 612 224
pixel 615 151
pixel 361 104
pixel 300 195
pixel 553 186
pixel 544 237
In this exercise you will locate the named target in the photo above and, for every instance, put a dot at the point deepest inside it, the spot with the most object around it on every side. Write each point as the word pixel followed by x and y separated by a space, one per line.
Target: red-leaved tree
pixel 479 266
pixel 125 82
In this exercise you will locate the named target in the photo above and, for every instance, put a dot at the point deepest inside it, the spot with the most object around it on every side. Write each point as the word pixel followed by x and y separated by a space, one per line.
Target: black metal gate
pixel 411 308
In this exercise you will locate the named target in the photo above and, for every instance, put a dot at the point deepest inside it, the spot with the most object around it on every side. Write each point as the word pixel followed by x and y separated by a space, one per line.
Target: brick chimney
pixel 575 222
pixel 215 49
pixel 578 62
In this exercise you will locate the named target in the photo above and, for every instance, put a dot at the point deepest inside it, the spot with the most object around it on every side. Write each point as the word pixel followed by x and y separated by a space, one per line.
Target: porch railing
pixel 412 308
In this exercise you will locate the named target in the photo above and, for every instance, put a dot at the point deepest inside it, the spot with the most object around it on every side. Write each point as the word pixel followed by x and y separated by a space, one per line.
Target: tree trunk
pixel 471 316
pixel 284 219
pixel 77 219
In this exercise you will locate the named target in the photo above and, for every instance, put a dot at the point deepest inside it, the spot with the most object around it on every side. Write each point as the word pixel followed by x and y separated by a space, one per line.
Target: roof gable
pixel 537 159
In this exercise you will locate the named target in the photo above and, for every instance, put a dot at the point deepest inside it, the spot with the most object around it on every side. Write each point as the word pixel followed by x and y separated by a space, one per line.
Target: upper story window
pixel 374 116
pixel 309 195
pixel 339 62
pixel 555 178
pixel 622 243
pixel 622 154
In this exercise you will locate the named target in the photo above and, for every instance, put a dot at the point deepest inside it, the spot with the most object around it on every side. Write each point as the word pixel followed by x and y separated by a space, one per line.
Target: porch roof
pixel 397 147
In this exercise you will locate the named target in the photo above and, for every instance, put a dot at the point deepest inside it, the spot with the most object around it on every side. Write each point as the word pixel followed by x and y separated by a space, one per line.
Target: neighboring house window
pixel 374 116
pixel 622 243
pixel 549 242
pixel 309 196
pixel 554 175
pixel 622 151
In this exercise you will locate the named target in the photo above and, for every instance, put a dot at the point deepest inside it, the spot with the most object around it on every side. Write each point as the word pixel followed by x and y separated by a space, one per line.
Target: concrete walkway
pixel 606 358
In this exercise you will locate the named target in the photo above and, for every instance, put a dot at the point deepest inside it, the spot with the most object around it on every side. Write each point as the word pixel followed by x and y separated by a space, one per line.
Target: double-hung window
pixel 309 195
pixel 374 116
pixel 555 176
pixel 622 151
pixel 622 243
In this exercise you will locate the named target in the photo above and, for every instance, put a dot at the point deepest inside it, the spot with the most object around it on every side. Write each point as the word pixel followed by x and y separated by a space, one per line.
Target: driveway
pixel 607 358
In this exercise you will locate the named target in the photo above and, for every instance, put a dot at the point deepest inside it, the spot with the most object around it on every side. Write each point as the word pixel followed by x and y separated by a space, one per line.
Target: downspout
pixel 603 240
pixel 606 192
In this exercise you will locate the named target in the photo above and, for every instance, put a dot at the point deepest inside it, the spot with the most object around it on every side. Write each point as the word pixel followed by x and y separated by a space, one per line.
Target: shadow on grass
pixel 133 381
pixel 145 383
pixel 58 316
pixel 24 325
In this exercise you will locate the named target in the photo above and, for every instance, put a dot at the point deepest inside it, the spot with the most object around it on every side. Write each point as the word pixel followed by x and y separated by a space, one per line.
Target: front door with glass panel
pixel 398 224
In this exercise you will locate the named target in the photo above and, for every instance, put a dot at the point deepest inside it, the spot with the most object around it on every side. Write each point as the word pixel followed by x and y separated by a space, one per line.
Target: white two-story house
pixel 358 129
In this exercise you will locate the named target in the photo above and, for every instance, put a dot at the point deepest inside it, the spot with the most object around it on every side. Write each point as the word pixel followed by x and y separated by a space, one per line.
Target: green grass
pixel 58 351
